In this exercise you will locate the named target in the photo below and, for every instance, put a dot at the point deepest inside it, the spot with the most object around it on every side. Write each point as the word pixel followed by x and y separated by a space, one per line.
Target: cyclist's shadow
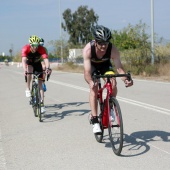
pixel 54 112
pixel 138 143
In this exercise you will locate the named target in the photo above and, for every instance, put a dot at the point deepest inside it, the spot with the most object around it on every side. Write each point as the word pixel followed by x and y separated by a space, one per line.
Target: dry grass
pixel 70 67
pixel 164 71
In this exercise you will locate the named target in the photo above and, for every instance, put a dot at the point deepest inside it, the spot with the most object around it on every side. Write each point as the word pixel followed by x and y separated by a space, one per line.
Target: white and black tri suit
pixel 104 64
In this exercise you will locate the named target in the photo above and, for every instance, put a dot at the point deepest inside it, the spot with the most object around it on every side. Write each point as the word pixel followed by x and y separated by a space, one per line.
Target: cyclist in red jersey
pixel 31 61
pixel 97 55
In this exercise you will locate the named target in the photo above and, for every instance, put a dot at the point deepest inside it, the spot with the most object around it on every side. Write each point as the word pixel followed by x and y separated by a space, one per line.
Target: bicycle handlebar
pixel 96 76
pixel 37 74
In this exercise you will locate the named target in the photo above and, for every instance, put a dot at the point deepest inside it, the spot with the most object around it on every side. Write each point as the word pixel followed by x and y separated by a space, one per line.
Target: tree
pixel 134 45
pixel 79 24
pixel 132 37
pixel 57 48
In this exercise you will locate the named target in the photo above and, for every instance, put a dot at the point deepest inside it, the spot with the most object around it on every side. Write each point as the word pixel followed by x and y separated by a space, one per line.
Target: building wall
pixel 74 53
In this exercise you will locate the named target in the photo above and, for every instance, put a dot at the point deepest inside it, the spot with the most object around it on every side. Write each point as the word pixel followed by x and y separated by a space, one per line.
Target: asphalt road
pixel 64 140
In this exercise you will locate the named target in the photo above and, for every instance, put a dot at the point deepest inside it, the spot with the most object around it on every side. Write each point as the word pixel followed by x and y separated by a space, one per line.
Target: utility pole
pixel 61 53
pixel 152 32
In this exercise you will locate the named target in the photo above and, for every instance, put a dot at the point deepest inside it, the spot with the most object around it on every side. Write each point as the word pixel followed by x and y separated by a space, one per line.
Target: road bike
pixel 109 112
pixel 35 99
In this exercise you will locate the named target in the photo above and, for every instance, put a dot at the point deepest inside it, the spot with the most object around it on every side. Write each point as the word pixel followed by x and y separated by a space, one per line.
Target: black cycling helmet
pixel 101 33
pixel 41 41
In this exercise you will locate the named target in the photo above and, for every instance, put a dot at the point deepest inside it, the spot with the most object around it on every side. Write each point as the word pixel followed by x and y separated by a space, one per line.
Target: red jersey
pixel 34 57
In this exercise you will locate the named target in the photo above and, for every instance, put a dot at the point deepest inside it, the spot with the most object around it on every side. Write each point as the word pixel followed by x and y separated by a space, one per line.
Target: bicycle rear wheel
pixel 115 127
pixel 99 136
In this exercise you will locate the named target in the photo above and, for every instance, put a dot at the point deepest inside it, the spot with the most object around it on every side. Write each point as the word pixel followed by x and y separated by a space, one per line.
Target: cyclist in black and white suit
pixel 97 55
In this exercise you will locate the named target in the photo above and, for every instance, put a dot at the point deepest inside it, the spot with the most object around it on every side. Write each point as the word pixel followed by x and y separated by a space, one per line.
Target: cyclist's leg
pixel 109 67
pixel 93 97
pixel 29 77
pixel 93 101
pixel 44 75
pixel 44 68
pixel 93 106
pixel 114 86
pixel 41 89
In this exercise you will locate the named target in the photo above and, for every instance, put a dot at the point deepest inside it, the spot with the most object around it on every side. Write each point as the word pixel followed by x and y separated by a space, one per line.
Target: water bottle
pixel 44 87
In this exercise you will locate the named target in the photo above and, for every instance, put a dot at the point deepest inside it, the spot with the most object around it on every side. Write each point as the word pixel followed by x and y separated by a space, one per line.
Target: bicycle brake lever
pixel 129 76
pixel 48 76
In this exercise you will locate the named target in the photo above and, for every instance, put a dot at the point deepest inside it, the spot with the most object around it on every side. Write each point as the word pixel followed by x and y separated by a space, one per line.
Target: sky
pixel 21 18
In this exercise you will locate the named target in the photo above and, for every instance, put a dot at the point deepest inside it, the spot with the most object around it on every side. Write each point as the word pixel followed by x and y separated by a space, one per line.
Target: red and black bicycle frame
pixel 105 110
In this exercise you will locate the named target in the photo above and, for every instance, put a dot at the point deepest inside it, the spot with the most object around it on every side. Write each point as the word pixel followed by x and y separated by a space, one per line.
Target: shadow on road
pixel 139 143
pixel 54 112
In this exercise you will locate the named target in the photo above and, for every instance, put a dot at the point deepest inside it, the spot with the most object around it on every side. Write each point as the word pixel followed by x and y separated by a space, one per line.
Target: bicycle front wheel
pixel 39 104
pixel 115 126
pixel 34 101
pixel 99 136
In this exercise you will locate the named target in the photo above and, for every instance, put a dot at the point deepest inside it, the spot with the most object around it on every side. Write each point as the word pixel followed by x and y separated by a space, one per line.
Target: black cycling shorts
pixel 36 67
pixel 102 68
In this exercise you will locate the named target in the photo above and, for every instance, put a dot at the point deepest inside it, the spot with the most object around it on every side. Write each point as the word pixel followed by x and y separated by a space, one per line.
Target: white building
pixel 74 54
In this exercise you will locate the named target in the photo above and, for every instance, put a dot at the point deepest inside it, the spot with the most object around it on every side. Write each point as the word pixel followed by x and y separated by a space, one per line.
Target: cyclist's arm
pixel 44 56
pixel 116 59
pixel 24 53
pixel 47 63
pixel 117 62
pixel 87 63
pixel 24 65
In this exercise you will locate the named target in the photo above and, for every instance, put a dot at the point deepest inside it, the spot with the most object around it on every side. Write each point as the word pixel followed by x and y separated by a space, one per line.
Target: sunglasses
pixel 102 42
pixel 34 45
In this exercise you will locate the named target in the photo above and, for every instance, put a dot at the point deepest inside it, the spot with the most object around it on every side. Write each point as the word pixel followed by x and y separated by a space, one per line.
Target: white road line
pixel 133 102
pixel 145 105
